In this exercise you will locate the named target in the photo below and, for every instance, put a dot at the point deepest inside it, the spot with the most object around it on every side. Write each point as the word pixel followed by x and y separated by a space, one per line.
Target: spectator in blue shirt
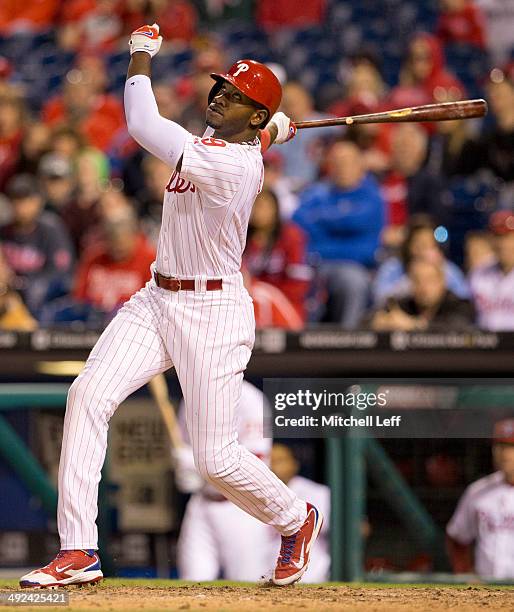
pixel 343 217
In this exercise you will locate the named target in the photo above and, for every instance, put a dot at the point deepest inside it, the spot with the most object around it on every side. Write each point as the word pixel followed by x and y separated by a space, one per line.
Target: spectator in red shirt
pixel 276 14
pixel 177 19
pixel 109 274
pixel 89 24
pixel 424 77
pixel 364 92
pixel 83 104
pixel 11 135
pixel 275 260
pixel 26 15
pixel 363 87
pixel 461 21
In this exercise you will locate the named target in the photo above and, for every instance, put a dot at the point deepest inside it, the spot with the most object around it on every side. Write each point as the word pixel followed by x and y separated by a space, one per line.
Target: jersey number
pixel 213 142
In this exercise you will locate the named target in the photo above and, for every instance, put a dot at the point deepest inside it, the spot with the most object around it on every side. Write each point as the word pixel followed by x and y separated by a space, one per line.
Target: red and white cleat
pixel 294 555
pixel 68 567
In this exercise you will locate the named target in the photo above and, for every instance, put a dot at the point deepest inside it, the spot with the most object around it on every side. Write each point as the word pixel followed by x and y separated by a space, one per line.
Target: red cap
pixel 256 81
pixel 504 432
pixel 502 222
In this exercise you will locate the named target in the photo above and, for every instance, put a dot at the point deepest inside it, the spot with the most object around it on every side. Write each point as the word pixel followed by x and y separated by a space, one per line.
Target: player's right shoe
pixel 68 567
pixel 294 555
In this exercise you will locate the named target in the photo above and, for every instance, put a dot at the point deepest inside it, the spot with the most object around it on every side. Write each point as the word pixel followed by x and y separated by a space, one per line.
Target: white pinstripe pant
pixel 208 337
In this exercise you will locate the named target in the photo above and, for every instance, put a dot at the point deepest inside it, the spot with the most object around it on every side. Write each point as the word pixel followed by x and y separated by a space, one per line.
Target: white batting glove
pixel 187 478
pixel 146 39
pixel 286 129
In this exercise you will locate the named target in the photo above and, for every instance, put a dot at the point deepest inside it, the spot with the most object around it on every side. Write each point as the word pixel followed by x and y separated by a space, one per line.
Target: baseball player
pixel 485 516
pixel 194 314
pixel 492 286
pixel 217 537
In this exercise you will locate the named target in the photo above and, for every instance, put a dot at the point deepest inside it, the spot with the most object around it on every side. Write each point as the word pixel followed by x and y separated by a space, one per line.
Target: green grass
pixel 161 584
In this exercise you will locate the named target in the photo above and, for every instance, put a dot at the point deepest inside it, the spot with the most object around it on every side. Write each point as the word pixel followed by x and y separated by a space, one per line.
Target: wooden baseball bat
pixel 445 111
pixel 159 390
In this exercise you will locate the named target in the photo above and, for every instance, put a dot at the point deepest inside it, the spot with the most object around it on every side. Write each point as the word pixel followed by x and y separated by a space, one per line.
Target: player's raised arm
pixel 163 138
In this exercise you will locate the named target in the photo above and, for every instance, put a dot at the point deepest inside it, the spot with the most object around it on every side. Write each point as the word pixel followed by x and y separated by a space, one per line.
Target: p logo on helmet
pixel 242 67
pixel 253 79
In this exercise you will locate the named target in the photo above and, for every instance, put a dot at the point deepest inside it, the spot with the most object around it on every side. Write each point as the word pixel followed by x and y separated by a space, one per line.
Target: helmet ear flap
pixel 214 90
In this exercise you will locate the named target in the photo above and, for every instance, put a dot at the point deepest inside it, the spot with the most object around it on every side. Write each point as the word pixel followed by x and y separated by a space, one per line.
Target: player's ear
pixel 259 118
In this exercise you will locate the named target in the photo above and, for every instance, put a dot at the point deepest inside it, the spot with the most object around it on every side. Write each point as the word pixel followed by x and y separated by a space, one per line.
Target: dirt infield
pixel 154 595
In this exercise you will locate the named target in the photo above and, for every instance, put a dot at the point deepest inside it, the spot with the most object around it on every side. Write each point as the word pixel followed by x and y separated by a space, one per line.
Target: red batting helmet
pixel 253 79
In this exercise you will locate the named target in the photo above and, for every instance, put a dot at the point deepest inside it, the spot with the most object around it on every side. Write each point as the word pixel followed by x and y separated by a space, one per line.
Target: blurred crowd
pixel 388 227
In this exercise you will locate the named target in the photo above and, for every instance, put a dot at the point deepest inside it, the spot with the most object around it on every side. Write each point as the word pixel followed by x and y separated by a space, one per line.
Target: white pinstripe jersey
pixel 485 515
pixel 207 208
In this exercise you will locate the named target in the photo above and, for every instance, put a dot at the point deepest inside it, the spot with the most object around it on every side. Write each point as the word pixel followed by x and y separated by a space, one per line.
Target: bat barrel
pixel 445 111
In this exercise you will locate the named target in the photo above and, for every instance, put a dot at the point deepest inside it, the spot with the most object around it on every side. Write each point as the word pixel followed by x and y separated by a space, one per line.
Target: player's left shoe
pixel 68 567
pixel 294 555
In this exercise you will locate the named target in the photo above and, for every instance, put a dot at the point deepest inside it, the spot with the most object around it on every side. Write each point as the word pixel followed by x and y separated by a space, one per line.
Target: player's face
pixel 503 455
pixel 231 112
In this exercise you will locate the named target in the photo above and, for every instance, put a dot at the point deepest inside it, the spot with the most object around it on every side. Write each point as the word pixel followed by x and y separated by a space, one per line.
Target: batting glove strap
pixel 286 129
pixel 146 39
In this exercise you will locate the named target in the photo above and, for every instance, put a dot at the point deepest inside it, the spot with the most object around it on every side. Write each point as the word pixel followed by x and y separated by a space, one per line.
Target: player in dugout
pixel 485 516
pixel 194 315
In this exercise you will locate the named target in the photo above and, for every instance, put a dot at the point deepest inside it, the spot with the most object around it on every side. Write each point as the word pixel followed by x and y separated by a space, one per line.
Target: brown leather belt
pixel 177 284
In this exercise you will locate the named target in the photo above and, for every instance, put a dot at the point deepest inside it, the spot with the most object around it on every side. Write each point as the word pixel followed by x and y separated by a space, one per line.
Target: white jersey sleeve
pixel 163 138
pixel 215 167
pixel 463 526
